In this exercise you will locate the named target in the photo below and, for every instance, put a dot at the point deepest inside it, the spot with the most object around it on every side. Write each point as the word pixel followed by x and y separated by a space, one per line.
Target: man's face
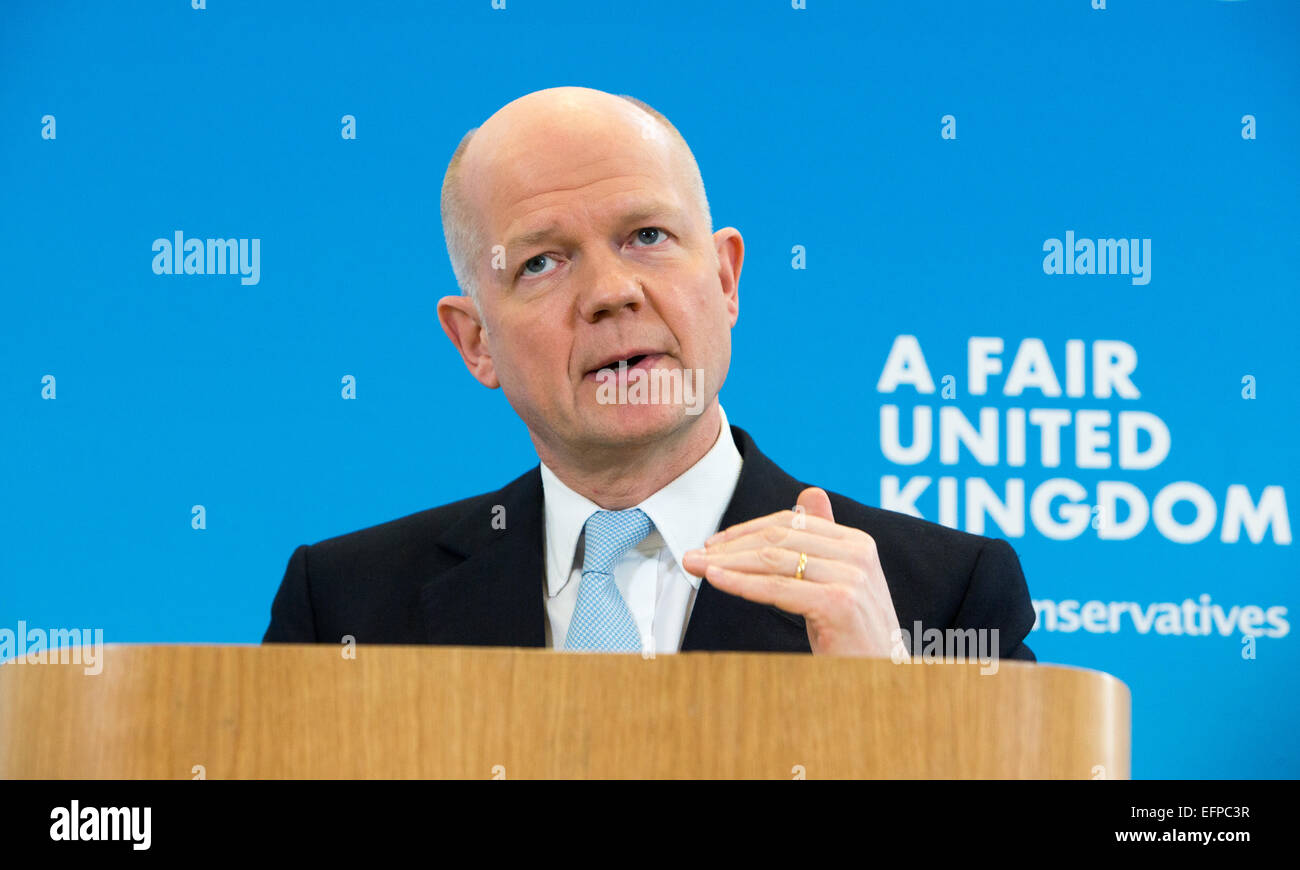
pixel 607 258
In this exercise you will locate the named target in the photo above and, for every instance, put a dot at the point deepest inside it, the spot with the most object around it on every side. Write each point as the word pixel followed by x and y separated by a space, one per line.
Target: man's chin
pixel 633 425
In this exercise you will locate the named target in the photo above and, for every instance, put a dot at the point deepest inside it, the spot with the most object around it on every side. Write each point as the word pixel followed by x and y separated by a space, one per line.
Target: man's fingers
pixel 787 518
pixel 792 596
pixel 799 540
pixel 816 503
pixel 773 562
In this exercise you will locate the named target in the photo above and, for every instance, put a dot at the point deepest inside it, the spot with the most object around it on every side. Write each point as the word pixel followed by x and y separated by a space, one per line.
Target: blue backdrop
pixel 897 169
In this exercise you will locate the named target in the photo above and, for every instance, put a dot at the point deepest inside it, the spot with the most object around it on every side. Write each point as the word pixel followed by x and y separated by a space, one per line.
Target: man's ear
pixel 459 317
pixel 731 256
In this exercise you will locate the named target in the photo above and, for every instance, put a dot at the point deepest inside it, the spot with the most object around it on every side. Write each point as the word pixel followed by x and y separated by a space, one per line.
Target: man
pixel 580 235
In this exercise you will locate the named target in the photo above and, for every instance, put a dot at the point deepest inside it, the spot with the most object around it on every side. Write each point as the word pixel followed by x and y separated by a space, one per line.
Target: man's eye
pixel 537 265
pixel 651 235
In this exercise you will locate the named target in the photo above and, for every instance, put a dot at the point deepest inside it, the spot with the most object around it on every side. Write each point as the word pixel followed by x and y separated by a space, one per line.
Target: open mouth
pixel 627 363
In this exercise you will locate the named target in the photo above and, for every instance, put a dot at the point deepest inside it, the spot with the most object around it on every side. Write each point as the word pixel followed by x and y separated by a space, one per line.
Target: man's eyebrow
pixel 647 211
pixel 634 214
pixel 527 240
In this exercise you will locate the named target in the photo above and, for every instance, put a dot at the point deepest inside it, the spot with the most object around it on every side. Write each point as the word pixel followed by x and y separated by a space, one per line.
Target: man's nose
pixel 610 287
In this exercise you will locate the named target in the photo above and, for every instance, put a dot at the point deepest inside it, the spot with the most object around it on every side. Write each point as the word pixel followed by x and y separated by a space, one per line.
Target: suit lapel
pixel 495 596
pixel 721 621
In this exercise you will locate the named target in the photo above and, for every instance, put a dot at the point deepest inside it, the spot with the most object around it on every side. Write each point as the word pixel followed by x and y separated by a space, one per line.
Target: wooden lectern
pixel 270 712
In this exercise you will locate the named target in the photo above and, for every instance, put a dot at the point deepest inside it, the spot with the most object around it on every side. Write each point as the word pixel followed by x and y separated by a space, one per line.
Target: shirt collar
pixel 685 512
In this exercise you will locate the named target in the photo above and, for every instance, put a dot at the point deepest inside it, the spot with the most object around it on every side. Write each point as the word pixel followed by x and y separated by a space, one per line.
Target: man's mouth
pixel 637 360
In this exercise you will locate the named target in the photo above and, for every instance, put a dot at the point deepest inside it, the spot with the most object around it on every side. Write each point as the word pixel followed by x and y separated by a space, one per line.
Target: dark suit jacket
pixel 447 576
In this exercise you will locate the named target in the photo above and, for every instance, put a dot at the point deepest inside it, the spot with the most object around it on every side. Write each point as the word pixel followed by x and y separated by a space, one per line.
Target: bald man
pixel 596 295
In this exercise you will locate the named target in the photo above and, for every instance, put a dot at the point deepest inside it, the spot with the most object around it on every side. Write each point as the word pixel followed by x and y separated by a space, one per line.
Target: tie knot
pixel 610 534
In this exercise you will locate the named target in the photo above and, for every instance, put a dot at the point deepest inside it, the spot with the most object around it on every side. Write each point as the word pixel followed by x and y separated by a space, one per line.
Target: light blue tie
pixel 601 621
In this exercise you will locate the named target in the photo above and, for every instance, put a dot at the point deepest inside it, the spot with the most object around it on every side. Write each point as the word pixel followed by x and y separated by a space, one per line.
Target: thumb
pixel 816 503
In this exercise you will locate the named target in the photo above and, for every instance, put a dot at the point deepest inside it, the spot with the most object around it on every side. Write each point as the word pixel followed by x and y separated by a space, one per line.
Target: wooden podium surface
pixel 282 711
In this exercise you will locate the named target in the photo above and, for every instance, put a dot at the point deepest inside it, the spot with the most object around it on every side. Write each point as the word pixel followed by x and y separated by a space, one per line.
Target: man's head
pixel 578 226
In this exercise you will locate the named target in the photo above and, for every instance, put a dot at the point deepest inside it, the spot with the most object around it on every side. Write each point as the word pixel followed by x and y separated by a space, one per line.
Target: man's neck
pixel 624 478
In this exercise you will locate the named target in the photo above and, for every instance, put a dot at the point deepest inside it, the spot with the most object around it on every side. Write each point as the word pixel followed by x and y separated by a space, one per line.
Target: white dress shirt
pixel 650 577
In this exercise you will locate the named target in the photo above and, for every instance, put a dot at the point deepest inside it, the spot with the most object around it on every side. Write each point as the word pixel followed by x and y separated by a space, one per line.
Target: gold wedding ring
pixel 803 563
